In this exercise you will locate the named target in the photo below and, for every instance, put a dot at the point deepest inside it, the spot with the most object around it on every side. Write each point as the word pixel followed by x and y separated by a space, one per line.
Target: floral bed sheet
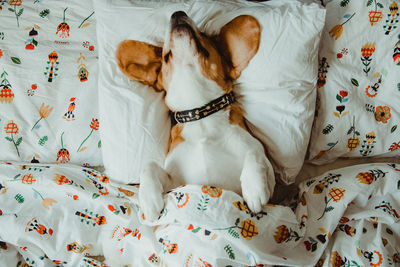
pixel 58 215
pixel 48 82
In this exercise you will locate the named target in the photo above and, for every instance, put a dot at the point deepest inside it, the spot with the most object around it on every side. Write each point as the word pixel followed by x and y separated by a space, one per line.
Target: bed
pixel 330 131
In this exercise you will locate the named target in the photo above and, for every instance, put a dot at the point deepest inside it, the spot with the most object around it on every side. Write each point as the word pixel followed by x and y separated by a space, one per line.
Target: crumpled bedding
pixel 61 215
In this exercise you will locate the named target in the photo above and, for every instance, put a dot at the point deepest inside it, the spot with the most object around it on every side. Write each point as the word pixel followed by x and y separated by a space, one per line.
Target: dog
pixel 209 140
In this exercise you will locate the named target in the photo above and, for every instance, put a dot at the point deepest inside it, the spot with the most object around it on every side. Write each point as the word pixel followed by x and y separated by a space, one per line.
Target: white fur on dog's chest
pixel 213 153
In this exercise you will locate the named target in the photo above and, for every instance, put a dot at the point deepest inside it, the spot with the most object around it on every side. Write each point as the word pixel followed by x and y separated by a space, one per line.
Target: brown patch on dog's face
pixel 214 66
pixel 187 41
pixel 140 61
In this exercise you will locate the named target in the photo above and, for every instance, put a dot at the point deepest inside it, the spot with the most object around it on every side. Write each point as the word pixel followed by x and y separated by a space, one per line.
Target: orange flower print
pixel 15 2
pixel 12 129
pixel 337 30
pixel 1 53
pixel 375 16
pixel 28 179
pixel 17 13
pixel 336 194
pixel 60 179
pixel 366 52
pixel 34 225
pixel 6 93
pixel 63 153
pixel 52 66
pixel 48 202
pixel 94 125
pixel 212 191
pixel 63 27
pixel 44 112
pixel 382 114
pixel 374 257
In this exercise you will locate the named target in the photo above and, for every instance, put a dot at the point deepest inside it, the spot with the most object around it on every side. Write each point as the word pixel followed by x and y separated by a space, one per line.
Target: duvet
pixel 61 215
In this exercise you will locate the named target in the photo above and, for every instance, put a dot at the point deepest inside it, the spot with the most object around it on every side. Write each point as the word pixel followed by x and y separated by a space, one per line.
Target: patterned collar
pixel 204 111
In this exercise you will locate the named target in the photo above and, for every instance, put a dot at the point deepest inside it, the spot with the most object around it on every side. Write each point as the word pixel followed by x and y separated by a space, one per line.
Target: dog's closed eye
pixel 166 57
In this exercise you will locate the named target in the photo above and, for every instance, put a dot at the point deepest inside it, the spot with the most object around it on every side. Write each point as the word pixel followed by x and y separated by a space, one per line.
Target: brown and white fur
pixel 193 69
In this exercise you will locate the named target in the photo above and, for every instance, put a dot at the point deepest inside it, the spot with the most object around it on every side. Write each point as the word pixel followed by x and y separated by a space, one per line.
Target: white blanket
pixel 58 215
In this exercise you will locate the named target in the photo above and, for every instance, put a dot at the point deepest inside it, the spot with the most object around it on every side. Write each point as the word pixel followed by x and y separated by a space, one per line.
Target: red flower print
pixel 12 129
pixel 15 2
pixel 343 94
pixel 6 94
pixel 63 153
pixel 17 13
pixel 28 179
pixel 63 27
pixel 94 125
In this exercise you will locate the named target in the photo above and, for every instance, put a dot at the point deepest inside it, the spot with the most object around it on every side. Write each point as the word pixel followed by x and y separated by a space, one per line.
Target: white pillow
pixel 359 94
pixel 33 125
pixel 277 89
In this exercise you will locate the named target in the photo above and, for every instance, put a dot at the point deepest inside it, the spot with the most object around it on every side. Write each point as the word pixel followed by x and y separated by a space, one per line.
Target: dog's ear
pixel 140 62
pixel 238 41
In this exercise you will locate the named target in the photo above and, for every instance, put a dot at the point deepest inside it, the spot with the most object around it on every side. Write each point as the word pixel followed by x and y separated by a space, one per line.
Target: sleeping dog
pixel 209 141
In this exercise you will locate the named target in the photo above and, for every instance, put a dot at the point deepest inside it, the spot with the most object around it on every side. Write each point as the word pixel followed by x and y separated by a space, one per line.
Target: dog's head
pixel 191 59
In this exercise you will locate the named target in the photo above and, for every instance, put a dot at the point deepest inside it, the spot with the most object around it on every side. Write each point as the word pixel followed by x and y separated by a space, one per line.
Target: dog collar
pixel 204 111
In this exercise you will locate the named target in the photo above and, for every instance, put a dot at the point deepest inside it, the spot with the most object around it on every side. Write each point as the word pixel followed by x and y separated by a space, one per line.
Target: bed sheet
pixel 311 170
pixel 59 215
pixel 48 82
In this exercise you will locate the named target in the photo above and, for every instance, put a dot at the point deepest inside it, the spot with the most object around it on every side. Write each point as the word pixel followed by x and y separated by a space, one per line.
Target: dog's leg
pixel 257 180
pixel 153 180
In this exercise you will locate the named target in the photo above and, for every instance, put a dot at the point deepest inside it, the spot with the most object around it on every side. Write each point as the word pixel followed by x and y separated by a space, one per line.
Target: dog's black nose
pixel 179 17
pixel 178 14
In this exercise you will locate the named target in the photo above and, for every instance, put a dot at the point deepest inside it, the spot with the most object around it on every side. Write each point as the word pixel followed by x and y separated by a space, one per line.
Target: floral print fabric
pixel 48 82
pixel 358 110
pixel 60 215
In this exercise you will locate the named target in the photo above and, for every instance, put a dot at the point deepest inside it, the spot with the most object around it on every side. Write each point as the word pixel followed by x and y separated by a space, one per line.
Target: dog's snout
pixel 178 14
pixel 178 17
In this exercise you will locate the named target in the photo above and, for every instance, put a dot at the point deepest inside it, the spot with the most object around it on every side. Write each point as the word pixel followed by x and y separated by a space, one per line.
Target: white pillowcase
pixel 277 89
pixel 359 94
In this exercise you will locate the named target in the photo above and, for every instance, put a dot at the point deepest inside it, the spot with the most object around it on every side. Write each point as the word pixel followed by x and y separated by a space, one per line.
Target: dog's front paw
pixel 255 195
pixel 151 201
